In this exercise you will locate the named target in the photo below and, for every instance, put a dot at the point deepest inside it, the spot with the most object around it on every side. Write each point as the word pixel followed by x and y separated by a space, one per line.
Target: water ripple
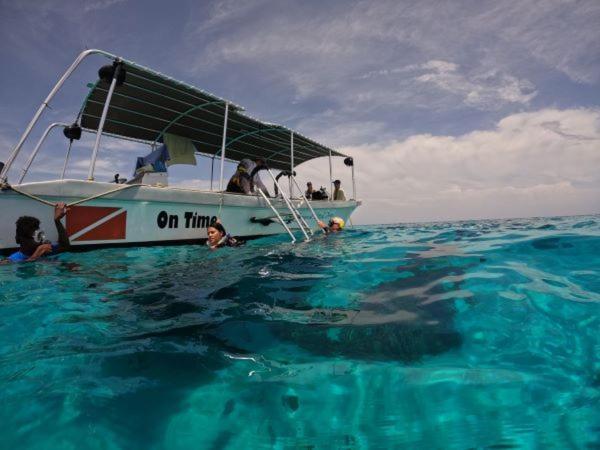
pixel 474 334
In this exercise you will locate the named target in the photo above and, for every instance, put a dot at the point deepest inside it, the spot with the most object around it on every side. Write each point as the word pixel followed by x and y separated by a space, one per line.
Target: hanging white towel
pixel 181 150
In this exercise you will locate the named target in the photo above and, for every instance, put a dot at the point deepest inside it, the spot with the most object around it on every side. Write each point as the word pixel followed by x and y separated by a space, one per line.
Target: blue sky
pixel 454 109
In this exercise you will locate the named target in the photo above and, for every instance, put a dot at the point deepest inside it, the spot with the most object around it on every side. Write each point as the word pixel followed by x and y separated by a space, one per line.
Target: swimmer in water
pixel 32 240
pixel 336 224
pixel 218 237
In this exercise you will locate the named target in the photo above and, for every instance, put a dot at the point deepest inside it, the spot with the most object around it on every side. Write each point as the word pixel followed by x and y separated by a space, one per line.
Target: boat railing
pixel 295 213
pixel 292 237
pixel 114 76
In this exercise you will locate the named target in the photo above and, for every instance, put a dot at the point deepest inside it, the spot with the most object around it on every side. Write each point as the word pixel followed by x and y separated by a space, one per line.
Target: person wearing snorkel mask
pixel 335 225
pixel 32 240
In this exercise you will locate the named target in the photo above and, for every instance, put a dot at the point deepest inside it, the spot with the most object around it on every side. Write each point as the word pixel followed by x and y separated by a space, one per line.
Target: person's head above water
pixel 215 231
pixel 336 224
pixel 27 227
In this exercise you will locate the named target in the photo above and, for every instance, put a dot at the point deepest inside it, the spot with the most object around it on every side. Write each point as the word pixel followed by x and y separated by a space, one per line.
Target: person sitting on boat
pixel 246 179
pixel 336 224
pixel 338 192
pixel 309 191
pixel 218 237
pixel 32 240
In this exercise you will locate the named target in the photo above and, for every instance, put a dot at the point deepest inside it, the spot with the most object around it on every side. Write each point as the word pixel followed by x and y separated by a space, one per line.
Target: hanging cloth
pixel 181 150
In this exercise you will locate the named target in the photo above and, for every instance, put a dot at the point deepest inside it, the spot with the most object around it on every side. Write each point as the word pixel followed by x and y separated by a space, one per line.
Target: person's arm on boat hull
pixel 32 239
pixel 260 164
pixel 60 210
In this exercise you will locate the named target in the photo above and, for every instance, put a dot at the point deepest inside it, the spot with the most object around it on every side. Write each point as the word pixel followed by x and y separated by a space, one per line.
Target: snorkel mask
pixel 39 236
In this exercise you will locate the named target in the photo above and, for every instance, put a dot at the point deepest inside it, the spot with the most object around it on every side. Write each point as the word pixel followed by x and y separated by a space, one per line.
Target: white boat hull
pixel 147 215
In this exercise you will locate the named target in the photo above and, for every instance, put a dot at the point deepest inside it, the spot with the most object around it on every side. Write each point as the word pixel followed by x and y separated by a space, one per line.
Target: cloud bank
pixel 532 164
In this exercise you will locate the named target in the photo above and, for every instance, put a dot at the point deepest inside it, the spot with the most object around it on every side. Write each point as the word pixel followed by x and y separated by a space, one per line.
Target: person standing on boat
pixel 338 192
pixel 32 240
pixel 246 180
pixel 240 181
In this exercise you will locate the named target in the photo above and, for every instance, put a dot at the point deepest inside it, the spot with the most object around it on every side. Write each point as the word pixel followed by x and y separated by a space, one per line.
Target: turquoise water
pixel 480 334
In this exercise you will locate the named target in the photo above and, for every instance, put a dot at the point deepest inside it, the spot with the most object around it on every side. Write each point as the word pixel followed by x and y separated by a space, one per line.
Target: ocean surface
pixel 478 334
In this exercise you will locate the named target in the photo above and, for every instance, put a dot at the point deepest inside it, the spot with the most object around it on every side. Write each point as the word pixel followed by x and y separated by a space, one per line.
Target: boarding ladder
pixel 304 227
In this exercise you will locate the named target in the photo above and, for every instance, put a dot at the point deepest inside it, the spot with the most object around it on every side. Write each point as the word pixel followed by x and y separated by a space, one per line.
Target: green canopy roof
pixel 149 104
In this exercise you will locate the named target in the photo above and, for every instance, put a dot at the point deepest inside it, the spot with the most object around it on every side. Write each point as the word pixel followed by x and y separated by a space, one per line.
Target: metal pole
pixel 291 163
pixel 37 148
pixel 212 169
pixel 223 146
pixel 314 214
pixel 289 205
pixel 353 183
pixel 300 215
pixel 43 106
pixel 62 176
pixel 113 83
pixel 330 178
pixel 278 215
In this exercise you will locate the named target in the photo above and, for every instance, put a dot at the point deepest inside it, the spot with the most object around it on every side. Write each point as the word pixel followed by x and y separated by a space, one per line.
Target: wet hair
pixel 219 227
pixel 26 226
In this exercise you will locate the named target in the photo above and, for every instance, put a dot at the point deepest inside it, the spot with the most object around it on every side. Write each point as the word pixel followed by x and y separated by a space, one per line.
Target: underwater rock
pixel 291 401
pixel 229 407
pixel 401 320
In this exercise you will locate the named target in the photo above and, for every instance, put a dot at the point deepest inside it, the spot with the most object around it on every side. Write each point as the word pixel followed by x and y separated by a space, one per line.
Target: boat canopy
pixel 149 105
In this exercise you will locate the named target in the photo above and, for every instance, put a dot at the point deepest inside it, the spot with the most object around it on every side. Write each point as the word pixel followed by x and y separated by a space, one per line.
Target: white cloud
pixel 489 90
pixel 100 4
pixel 329 52
pixel 521 168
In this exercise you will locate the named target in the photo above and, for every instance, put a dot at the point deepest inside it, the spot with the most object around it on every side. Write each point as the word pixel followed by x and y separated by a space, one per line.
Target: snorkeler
pixel 32 240
pixel 336 224
pixel 218 237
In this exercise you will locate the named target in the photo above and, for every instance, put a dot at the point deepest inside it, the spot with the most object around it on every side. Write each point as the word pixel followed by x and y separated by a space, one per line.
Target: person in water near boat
pixel 338 192
pixel 335 225
pixel 32 240
pixel 218 237
pixel 246 179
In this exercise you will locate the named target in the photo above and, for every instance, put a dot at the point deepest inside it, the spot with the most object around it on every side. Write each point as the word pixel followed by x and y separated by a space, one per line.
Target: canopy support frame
pixel 223 146
pixel 185 114
pixel 353 183
pixel 291 163
pixel 64 169
pixel 36 149
pixel 330 177
pixel 113 84
pixel 44 105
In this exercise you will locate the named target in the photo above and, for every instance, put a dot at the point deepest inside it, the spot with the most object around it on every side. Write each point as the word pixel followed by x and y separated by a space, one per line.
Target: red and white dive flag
pixel 96 223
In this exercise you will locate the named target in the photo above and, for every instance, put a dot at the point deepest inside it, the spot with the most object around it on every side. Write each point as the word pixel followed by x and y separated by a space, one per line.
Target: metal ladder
pixel 306 230
pixel 277 215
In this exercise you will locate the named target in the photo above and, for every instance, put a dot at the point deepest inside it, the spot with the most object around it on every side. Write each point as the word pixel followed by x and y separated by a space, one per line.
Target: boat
pixel 131 102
